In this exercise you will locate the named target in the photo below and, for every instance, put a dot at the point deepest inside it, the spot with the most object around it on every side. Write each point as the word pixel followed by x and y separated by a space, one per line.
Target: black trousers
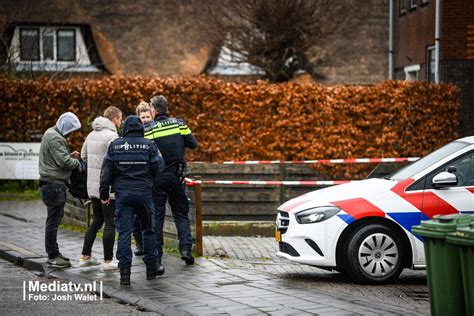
pixel 54 197
pixel 103 215
pixel 168 187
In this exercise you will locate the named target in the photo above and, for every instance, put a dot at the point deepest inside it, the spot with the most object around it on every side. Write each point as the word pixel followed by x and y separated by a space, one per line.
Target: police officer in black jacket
pixel 172 136
pixel 130 166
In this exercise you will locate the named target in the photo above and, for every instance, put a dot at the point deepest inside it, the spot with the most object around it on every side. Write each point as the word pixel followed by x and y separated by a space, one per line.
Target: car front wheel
pixel 374 254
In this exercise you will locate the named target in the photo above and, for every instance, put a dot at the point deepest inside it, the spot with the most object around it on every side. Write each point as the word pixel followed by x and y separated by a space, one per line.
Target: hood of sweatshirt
pixel 68 123
pixel 133 126
pixel 101 123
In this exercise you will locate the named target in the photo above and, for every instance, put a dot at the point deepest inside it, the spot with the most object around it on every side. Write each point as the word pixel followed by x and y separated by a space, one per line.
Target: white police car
pixel 363 228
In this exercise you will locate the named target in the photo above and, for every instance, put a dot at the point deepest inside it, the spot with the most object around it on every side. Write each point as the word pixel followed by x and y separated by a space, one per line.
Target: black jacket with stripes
pixel 172 136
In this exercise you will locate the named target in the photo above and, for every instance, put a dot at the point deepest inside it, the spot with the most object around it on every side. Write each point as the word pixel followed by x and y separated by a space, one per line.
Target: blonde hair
pixel 143 107
pixel 112 112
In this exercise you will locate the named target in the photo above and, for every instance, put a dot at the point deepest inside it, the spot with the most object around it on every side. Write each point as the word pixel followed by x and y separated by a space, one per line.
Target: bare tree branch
pixel 275 35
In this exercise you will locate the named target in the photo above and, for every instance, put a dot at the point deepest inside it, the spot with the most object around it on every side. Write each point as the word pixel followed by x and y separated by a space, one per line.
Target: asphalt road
pixel 12 303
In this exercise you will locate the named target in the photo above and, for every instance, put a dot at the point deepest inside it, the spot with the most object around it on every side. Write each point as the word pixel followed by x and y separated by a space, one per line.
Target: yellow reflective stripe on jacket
pixel 184 129
pixel 149 134
pixel 165 130
pixel 162 131
pixel 158 134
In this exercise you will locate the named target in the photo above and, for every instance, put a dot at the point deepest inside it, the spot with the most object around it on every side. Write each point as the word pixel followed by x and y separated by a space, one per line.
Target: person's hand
pixel 106 201
pixel 75 154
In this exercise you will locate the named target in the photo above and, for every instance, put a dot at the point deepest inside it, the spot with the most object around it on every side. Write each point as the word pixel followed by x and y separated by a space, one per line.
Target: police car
pixel 363 228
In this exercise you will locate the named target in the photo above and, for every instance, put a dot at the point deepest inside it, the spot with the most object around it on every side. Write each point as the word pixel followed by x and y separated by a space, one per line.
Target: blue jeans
pixel 54 197
pixel 168 187
pixel 126 205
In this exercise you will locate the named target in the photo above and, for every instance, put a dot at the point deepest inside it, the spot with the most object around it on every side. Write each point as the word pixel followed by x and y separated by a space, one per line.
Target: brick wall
pixel 457 15
pixel 414 32
pixel 456 67
pixel 461 73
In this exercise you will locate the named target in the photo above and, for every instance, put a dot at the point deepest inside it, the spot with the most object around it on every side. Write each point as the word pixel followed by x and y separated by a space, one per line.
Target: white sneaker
pixel 109 266
pixel 91 261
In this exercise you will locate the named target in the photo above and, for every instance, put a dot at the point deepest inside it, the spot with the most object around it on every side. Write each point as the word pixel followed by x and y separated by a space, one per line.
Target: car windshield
pixel 423 163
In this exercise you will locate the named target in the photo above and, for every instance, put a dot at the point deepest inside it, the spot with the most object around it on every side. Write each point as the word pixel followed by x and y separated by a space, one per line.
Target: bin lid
pixel 440 225
pixel 463 236
pixel 467 232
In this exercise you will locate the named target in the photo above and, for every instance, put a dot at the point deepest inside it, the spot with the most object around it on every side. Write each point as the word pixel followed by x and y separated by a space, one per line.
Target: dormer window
pixel 229 63
pixel 53 48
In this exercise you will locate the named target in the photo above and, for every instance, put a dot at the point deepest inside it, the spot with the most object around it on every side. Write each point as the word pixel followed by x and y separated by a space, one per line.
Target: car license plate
pixel 278 235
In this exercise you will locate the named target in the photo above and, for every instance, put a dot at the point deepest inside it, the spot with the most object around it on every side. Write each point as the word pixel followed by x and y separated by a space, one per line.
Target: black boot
pixel 138 250
pixel 124 276
pixel 151 271
pixel 160 269
pixel 187 257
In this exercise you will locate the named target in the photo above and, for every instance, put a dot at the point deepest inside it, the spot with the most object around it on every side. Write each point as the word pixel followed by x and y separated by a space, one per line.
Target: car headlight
pixel 316 214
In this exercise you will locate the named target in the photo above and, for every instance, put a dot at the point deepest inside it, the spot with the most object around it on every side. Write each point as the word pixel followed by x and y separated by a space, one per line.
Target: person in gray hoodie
pixel 55 166
pixel 93 152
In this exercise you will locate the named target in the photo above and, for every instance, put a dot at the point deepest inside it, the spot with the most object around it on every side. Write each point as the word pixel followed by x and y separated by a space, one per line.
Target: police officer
pixel 131 164
pixel 172 136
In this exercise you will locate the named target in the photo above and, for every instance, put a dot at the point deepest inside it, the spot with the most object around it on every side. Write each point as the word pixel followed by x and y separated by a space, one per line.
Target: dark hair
pixel 160 104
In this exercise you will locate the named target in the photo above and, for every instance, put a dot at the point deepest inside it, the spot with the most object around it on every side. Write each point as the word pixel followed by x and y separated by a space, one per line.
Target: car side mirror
pixel 444 179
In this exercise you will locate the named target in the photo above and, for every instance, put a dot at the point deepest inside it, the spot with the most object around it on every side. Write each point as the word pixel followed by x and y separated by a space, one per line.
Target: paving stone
pixel 251 281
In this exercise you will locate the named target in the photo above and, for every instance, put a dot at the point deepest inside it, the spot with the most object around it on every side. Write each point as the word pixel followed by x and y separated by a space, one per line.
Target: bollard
pixel 198 221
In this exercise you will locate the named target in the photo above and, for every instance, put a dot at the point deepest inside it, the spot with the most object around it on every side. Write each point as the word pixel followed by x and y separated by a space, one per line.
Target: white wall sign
pixel 19 161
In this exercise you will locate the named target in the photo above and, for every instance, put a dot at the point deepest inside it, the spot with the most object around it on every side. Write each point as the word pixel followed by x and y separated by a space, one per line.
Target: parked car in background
pixel 363 228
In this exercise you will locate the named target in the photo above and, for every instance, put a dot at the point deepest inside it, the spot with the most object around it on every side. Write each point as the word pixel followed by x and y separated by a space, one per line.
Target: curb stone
pixel 38 263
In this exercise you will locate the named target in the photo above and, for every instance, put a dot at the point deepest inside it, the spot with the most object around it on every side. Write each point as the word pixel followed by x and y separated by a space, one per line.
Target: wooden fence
pixel 79 214
pixel 216 205
pixel 248 202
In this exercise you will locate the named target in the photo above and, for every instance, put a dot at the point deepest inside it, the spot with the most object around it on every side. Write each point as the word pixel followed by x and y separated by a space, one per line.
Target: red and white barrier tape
pixel 270 183
pixel 333 161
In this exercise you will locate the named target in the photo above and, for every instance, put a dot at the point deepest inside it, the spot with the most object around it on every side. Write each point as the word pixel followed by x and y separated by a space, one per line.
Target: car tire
pixel 374 254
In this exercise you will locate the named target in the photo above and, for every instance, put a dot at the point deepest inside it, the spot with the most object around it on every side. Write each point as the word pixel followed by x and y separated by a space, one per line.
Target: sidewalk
pixel 236 276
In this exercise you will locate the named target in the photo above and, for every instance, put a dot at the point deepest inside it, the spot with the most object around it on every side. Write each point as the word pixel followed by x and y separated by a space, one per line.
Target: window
pixel 29 44
pixel 462 167
pixel 412 4
pixel 425 162
pixel 41 43
pixel 411 72
pixel 66 44
pixel 430 64
pixel 423 2
pixel 465 170
pixel 52 48
pixel 402 6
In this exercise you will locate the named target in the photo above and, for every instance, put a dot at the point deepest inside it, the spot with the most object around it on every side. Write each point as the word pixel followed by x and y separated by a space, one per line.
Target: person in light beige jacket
pixel 93 152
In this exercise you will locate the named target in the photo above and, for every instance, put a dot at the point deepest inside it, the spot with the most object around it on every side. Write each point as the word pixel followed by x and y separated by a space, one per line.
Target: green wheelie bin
pixel 443 264
pixel 464 239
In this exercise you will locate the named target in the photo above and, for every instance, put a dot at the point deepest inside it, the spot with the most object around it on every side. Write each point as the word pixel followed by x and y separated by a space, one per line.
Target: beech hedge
pixel 256 121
